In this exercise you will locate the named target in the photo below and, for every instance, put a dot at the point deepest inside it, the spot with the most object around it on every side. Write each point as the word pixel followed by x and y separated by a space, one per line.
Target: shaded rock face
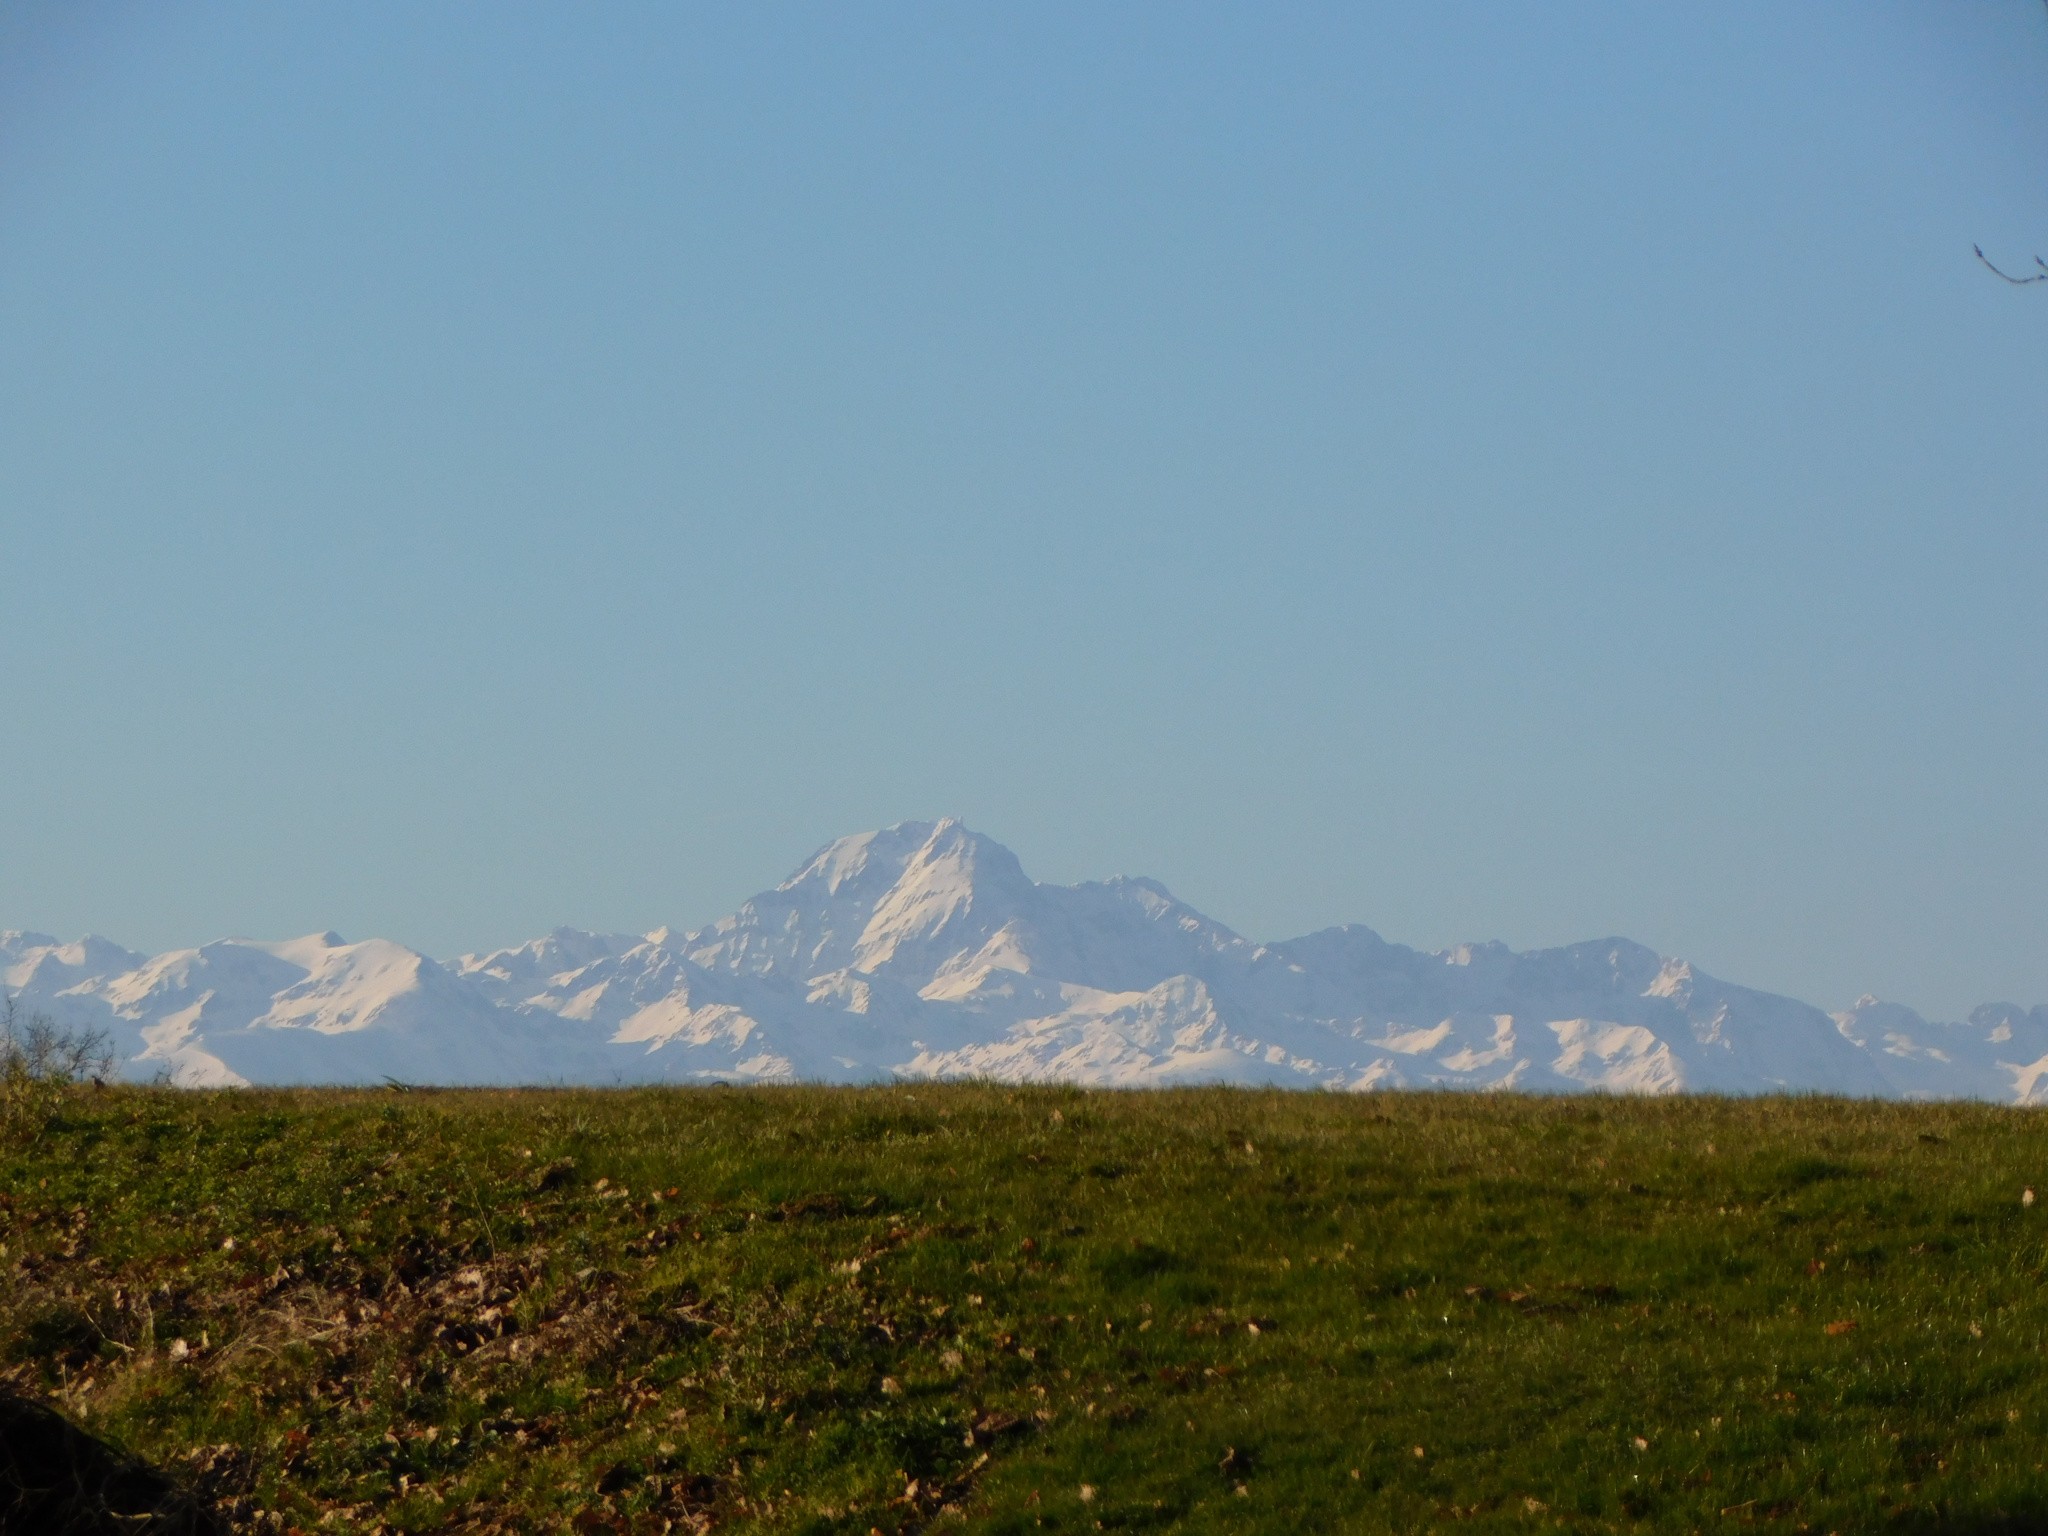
pixel 57 1480
pixel 926 950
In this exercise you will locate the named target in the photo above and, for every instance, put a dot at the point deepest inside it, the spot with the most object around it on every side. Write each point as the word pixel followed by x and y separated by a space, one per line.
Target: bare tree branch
pixel 36 1049
pixel 2032 277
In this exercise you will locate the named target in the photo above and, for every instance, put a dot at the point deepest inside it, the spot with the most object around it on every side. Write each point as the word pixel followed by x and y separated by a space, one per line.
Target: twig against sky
pixel 2032 277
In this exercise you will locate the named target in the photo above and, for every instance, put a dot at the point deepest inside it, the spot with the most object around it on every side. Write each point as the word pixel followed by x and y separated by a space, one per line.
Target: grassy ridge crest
pixel 998 1309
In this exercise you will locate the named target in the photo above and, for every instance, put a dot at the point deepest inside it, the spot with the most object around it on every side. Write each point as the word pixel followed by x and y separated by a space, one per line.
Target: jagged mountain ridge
pixel 924 950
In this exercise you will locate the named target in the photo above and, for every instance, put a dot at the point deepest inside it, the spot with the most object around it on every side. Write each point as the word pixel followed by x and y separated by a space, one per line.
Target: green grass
pixel 990 1309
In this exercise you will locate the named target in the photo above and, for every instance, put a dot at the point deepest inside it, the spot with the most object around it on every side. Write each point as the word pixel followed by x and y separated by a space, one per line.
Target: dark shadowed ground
pixel 56 1480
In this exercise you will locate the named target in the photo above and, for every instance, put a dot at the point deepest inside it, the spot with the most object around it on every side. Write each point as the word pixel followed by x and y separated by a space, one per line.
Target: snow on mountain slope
pixel 35 961
pixel 924 950
pixel 511 975
pixel 2001 1052
pixel 308 1010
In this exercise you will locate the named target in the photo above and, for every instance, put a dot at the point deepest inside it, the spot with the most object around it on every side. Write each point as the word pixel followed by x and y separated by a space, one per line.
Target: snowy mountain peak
pixel 309 950
pixel 867 862
pixel 953 894
pixel 34 962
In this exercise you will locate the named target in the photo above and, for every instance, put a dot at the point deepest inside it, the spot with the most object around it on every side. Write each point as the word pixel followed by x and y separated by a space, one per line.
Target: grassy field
pixel 990 1309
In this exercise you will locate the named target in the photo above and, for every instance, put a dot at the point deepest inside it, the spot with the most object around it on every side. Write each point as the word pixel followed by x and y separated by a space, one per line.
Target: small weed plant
pixel 39 1061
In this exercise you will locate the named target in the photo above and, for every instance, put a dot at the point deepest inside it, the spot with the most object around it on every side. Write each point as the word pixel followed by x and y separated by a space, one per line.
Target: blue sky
pixel 1518 471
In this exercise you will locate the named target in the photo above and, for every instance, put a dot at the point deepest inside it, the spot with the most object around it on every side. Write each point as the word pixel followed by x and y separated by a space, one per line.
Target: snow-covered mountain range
pixel 925 951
